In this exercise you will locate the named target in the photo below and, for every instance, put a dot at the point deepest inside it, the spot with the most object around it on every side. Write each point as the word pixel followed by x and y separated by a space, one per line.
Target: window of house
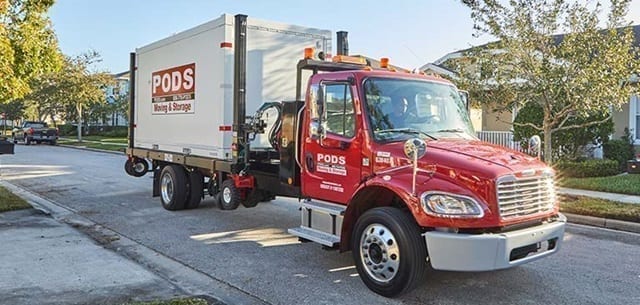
pixel 634 118
pixel 636 131
pixel 339 110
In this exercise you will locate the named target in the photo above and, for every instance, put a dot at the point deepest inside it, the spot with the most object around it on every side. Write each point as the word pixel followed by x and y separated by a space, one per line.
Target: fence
pixel 502 138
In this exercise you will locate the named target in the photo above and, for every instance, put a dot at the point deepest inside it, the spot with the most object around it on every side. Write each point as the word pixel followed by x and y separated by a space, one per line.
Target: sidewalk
pixel 602 195
pixel 602 222
pixel 48 262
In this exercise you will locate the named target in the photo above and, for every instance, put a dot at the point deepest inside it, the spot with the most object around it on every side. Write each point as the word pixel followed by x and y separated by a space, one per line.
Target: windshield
pixel 400 109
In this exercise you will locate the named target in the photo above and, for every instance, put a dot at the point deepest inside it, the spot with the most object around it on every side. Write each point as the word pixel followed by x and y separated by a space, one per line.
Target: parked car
pixel 38 132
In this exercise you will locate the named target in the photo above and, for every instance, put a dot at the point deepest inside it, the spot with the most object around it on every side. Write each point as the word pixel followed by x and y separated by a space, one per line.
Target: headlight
pixel 449 205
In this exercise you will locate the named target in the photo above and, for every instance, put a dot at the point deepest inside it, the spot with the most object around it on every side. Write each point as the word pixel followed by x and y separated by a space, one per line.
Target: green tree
pixel 73 89
pixel 578 75
pixel 28 46
pixel 568 143
pixel 13 110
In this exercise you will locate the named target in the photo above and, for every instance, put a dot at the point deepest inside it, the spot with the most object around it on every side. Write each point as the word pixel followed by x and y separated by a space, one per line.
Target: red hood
pixel 499 155
pixel 480 158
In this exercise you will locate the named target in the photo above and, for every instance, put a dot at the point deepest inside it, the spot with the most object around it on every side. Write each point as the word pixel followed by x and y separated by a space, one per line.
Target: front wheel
pixel 388 250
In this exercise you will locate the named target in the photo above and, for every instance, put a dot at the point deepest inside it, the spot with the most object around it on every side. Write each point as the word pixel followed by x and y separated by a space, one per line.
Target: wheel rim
pixel 138 167
pixel 379 253
pixel 226 195
pixel 166 188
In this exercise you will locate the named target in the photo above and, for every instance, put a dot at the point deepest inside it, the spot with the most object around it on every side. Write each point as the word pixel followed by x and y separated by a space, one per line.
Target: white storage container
pixel 184 83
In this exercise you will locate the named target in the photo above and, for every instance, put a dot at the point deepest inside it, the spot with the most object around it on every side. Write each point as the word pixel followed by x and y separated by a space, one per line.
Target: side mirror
pixel 464 95
pixel 314 130
pixel 415 149
pixel 322 115
pixel 535 145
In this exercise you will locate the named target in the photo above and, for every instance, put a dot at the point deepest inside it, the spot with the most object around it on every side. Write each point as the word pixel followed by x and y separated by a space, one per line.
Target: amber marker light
pixel 384 62
pixel 308 53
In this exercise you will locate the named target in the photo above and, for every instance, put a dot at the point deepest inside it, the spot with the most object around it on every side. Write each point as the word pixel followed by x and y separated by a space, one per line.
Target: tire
pixel 229 195
pixel 128 167
pixel 53 142
pixel 137 168
pixel 38 142
pixel 388 239
pixel 173 187
pixel 196 189
pixel 253 198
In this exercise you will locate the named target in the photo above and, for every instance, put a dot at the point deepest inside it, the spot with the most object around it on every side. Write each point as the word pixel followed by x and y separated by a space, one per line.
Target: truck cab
pixel 391 170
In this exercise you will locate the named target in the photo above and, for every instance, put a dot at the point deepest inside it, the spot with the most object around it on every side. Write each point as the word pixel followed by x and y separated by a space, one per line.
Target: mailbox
pixel 6 147
pixel 633 167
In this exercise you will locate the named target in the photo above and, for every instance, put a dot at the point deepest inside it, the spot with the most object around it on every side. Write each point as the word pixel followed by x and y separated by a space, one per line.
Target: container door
pixel 331 163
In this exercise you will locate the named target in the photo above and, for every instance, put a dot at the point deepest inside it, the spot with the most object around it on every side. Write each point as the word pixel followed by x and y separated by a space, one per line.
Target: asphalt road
pixel 250 249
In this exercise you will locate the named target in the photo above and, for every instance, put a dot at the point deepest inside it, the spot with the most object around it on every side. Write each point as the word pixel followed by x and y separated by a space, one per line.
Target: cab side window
pixel 339 110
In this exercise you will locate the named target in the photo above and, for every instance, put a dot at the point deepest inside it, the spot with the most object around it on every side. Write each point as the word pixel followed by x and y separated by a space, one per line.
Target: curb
pixel 92 149
pixel 612 224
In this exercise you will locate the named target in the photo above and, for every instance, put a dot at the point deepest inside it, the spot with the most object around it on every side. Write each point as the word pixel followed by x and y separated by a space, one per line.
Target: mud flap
pixel 156 182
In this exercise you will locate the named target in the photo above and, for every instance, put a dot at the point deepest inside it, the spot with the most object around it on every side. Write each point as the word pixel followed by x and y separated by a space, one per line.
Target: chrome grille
pixel 519 197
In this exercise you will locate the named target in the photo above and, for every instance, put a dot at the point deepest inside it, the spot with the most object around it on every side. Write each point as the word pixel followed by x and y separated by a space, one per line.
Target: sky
pixel 410 32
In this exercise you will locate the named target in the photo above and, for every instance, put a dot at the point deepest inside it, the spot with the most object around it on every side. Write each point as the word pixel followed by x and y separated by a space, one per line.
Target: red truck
pixel 385 163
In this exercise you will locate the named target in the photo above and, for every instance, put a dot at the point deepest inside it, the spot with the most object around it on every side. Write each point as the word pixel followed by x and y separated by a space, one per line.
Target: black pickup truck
pixel 38 132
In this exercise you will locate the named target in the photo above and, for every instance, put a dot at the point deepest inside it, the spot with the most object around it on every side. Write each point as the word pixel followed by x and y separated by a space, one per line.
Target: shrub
pixel 588 168
pixel 67 129
pixel 620 150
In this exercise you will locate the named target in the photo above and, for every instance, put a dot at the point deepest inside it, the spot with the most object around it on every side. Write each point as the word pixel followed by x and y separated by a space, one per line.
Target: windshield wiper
pixel 451 130
pixel 408 130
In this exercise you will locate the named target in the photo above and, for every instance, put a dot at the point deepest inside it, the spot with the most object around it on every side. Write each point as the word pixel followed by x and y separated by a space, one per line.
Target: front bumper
pixel 484 252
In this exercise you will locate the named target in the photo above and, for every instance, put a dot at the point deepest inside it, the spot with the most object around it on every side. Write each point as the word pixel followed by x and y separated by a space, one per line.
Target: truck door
pixel 331 158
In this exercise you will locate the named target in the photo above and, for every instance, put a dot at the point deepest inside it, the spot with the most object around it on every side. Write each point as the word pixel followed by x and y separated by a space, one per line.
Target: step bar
pixel 321 222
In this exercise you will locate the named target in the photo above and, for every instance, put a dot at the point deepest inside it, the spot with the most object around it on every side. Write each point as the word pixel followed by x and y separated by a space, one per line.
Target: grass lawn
pixel 122 140
pixel 97 142
pixel 184 301
pixel 10 202
pixel 600 208
pixel 624 184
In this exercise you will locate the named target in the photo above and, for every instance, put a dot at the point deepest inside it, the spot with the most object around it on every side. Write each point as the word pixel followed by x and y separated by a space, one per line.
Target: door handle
pixel 308 160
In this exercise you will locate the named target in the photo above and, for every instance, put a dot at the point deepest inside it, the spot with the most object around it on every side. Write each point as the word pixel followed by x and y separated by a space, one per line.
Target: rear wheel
pixel 196 188
pixel 229 195
pixel 389 253
pixel 253 198
pixel 173 187
pixel 53 142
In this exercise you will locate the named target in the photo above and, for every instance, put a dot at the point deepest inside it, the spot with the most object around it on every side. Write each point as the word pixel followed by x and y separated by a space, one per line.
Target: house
pixel 494 119
pixel 115 94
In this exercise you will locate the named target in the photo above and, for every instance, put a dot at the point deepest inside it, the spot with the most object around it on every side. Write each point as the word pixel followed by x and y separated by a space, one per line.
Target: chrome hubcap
pixel 166 188
pixel 138 167
pixel 226 195
pixel 379 252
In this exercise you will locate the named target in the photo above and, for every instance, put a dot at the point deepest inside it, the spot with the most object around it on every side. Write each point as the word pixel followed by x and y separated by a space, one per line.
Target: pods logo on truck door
pixel 173 90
